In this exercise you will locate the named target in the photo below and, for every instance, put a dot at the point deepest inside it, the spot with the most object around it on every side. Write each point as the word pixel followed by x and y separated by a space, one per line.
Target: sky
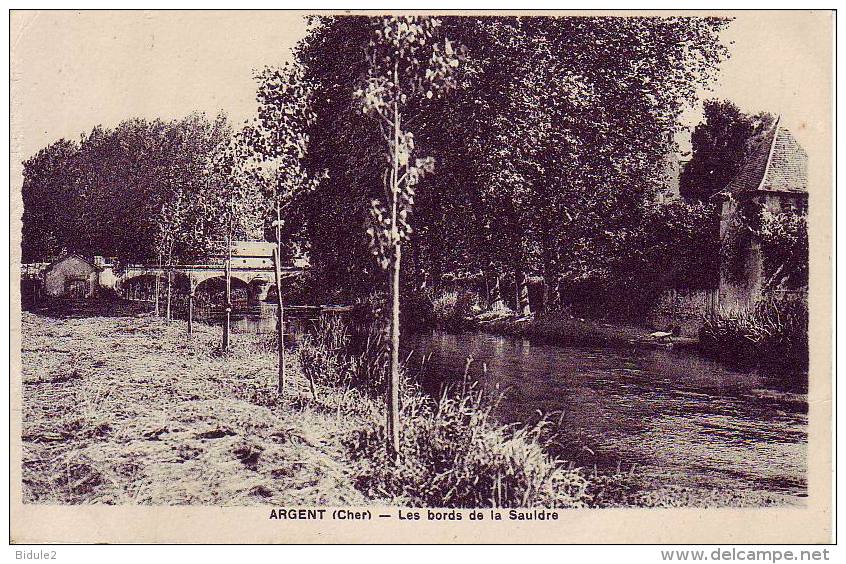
pixel 74 70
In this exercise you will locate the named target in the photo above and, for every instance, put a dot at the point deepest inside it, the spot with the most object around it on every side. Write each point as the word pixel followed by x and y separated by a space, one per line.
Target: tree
pixel 175 200
pixel 47 192
pixel 593 105
pixel 719 148
pixel 233 201
pixel 549 149
pixel 278 139
pixel 131 192
pixel 408 63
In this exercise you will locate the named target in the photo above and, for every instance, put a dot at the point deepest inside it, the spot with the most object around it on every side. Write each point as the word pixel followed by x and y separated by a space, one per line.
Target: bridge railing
pixel 221 267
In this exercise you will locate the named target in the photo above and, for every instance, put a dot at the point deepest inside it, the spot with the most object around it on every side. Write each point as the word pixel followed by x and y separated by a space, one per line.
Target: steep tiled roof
pixel 776 162
pixel 788 169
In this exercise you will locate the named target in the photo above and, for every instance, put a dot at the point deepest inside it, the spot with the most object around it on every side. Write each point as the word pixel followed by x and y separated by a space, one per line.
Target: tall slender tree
pixel 278 138
pixel 409 62
pixel 719 146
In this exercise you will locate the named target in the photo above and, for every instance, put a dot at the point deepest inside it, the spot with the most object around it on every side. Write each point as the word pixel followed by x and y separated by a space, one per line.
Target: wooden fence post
pixel 191 309
pixel 157 293
pixel 169 292
pixel 227 296
pixel 280 320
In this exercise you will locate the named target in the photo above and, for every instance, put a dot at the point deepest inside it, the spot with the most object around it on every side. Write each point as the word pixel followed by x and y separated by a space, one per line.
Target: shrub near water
pixel 332 355
pixel 773 336
pixel 454 456
pixel 452 308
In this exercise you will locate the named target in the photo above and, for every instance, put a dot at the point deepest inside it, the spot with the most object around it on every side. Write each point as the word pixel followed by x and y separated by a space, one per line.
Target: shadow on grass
pixel 64 308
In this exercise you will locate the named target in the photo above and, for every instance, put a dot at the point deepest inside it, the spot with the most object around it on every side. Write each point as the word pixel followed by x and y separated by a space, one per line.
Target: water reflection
pixel 680 418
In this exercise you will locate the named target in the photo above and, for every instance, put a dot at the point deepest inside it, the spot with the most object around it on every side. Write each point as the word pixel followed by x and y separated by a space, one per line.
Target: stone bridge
pixel 258 279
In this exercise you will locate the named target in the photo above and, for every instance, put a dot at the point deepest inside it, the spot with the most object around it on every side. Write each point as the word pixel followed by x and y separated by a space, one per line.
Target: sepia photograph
pixel 382 267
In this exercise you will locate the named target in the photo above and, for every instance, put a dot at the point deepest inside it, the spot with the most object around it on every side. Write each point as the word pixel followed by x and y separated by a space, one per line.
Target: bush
pixel 772 337
pixel 452 308
pixel 454 456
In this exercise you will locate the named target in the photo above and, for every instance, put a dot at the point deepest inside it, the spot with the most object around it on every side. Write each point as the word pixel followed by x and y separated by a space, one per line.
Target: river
pixel 677 418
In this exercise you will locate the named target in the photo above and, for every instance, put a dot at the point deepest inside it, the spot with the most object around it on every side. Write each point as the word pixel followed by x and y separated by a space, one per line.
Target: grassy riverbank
pixel 129 410
pixel 562 330
pixel 455 311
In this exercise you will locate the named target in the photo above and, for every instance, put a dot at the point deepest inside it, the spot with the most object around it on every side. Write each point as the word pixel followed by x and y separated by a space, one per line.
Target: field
pixel 129 410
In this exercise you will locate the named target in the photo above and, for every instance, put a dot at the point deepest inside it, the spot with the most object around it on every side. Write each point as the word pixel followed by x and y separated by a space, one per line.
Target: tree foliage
pixel 549 150
pixel 719 146
pixel 279 140
pixel 140 191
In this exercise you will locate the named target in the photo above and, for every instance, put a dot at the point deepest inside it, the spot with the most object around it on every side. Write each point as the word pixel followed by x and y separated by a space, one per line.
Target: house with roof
pixel 773 178
pixel 75 276
pixel 71 276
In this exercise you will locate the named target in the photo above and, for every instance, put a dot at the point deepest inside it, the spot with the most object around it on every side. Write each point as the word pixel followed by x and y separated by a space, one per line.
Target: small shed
pixel 72 276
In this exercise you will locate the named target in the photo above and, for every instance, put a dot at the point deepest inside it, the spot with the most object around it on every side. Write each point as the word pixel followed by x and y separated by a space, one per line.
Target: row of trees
pixel 549 135
pixel 514 146
pixel 142 192
pixel 547 150
pixel 548 138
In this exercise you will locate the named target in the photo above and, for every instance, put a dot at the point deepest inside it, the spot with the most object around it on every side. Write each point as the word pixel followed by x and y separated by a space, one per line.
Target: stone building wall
pixel 685 308
pixel 71 275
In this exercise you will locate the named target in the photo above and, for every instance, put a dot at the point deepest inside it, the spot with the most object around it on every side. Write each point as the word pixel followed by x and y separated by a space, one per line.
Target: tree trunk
pixel 487 290
pixel 495 301
pixel 169 292
pixel 280 320
pixel 553 299
pixel 227 296
pixel 550 273
pixel 393 388
pixel 392 400
pixel 522 292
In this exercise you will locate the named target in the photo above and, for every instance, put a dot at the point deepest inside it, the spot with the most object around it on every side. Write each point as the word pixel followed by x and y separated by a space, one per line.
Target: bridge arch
pixel 143 275
pixel 218 283
pixel 199 278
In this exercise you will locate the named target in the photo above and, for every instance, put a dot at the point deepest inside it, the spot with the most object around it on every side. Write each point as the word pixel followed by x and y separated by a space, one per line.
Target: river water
pixel 678 418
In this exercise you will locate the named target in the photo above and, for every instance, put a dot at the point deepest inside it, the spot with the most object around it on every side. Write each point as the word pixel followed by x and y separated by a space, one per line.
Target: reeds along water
pixel 772 336
pixel 453 454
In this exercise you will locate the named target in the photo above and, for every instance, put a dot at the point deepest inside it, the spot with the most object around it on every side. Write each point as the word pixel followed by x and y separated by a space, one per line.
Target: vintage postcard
pixel 455 277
